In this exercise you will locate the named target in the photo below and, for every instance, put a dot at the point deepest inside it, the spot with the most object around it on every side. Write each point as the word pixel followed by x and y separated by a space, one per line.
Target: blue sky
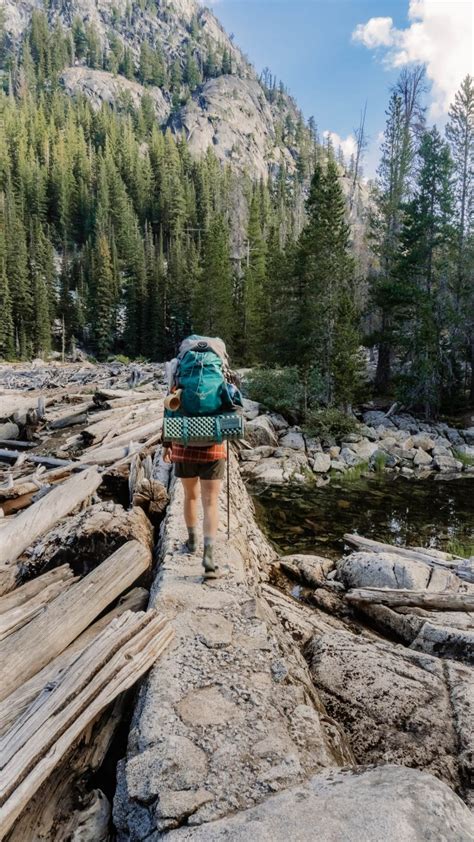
pixel 311 46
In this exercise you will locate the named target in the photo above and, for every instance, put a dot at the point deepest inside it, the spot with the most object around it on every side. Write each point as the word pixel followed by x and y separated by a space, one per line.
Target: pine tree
pixel 254 283
pixel 212 304
pixel 405 118
pixel 7 348
pixel 460 135
pixel 322 276
pixel 424 268
pixel 102 305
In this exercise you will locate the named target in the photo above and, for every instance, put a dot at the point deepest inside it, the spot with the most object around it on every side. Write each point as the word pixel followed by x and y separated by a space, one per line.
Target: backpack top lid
pixel 192 343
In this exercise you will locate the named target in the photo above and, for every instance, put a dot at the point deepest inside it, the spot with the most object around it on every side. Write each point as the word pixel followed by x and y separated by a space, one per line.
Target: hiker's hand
pixel 167 454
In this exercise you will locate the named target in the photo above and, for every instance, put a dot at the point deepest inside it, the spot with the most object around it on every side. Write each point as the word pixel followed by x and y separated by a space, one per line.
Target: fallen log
pixel 69 421
pixel 33 482
pixel 16 402
pixel 419 599
pixel 86 539
pixel 16 618
pixel 26 651
pixel 64 807
pixel 36 459
pixel 23 594
pixel 40 517
pixel 40 738
pixel 18 701
pixel 14 444
pixel 417 555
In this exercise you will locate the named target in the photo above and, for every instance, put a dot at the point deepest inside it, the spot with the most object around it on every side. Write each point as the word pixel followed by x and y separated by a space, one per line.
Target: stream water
pixel 392 509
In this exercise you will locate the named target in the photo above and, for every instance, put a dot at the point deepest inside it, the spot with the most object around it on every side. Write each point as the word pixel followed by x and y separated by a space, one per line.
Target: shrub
pixel 325 423
pixel 279 389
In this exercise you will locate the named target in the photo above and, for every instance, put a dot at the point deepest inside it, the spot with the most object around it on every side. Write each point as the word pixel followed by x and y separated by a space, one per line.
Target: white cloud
pixel 376 32
pixel 347 144
pixel 440 36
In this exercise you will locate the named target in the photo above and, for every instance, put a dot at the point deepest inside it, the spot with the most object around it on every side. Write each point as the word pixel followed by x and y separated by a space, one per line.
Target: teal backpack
pixel 200 374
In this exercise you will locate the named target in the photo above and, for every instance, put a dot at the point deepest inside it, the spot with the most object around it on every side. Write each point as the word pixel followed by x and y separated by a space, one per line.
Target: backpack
pixel 200 373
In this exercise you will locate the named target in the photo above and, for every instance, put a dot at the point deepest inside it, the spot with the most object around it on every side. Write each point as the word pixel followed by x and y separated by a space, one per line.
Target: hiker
pixel 199 383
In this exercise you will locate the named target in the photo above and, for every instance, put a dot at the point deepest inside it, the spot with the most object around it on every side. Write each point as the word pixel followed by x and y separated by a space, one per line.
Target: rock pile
pixel 280 453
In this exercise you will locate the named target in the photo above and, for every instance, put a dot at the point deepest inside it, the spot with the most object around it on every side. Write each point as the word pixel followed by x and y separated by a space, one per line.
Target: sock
pixel 207 559
pixel 192 538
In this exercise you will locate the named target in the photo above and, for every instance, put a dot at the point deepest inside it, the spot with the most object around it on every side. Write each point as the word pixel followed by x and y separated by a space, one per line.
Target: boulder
pixel 269 471
pixel 348 456
pixel 337 465
pixel 466 449
pixel 424 441
pixel 279 423
pixel 422 458
pixel 293 439
pixel 311 569
pixel 368 432
pixel 260 431
pixel 468 435
pixel 396 705
pixel 390 570
pixel 251 409
pixel 334 451
pixel 454 436
pixel 365 449
pixel 374 418
pixel 312 445
pixel 388 460
pixel 446 463
pixel 321 463
pixel 388 802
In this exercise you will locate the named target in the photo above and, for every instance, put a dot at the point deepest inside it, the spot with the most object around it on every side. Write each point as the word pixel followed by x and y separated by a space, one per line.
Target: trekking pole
pixel 228 493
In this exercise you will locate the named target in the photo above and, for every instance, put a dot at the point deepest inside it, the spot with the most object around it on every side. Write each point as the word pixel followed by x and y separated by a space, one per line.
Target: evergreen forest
pixel 114 239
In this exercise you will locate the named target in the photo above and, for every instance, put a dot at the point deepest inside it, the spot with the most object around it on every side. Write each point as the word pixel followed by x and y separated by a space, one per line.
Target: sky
pixel 335 55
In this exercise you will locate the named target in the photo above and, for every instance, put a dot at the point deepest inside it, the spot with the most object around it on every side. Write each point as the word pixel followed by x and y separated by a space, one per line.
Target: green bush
pixel 278 389
pixel 325 423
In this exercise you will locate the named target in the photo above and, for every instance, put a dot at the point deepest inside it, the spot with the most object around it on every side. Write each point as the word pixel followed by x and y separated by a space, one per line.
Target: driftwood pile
pixel 74 632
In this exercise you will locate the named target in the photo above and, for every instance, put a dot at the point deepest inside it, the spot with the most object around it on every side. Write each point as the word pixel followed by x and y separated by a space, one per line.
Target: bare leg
pixel 210 489
pixel 191 496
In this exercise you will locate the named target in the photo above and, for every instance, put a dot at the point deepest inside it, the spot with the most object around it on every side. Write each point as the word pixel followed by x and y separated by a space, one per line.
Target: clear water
pixel 392 509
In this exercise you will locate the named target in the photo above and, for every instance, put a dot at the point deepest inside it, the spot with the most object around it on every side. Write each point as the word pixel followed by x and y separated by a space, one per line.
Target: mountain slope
pixel 208 89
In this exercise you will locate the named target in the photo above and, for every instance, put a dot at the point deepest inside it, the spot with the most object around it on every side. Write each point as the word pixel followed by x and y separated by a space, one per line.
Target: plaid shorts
pixel 203 470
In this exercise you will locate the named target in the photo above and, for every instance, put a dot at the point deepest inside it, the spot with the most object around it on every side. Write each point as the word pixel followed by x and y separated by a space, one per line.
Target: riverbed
pixel 392 509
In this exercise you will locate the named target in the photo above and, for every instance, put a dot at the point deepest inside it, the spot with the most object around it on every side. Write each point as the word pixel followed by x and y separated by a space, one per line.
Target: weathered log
pixel 33 482
pixel 14 444
pixel 463 568
pixel 36 459
pixel 417 555
pixel 16 402
pixel 38 740
pixel 26 651
pixel 45 513
pixel 138 432
pixel 69 421
pixel 22 595
pixel 86 539
pixel 53 813
pixel 18 701
pixel 421 599
pixel 16 618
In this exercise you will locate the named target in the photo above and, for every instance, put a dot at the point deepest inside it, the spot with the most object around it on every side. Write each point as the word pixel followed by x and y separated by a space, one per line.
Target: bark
pixel 38 741
pixel 419 599
pixel 40 517
pixel 68 615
